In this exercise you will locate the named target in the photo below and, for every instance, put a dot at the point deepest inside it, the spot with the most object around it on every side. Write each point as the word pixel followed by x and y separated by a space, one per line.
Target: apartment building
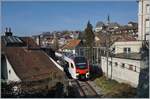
pixel 144 19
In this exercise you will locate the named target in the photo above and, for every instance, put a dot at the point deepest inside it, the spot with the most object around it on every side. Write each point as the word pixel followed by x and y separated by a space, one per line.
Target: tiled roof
pixel 113 24
pixel 113 38
pixel 125 38
pixel 31 64
pixel 29 42
pixel 71 44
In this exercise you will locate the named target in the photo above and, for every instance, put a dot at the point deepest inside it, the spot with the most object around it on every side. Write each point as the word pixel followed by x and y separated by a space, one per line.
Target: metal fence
pixel 94 56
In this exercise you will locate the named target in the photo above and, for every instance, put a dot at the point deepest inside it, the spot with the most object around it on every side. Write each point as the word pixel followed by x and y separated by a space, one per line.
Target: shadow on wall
pixel 143 86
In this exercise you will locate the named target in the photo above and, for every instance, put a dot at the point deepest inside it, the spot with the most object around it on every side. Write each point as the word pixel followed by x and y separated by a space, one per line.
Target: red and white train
pixel 77 66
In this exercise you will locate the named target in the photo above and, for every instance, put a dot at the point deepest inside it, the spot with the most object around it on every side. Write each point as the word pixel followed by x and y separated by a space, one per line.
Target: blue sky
pixel 30 18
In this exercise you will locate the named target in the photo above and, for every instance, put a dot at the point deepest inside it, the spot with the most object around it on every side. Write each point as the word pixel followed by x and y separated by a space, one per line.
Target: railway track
pixel 85 89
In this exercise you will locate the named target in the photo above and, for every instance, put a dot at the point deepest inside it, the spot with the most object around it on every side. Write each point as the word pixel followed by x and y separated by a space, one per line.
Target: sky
pixel 31 18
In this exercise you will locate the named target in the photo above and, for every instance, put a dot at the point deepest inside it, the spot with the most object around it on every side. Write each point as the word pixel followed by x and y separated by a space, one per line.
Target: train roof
pixel 70 55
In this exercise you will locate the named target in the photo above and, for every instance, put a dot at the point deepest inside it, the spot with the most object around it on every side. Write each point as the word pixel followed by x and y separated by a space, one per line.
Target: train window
pixel 71 65
pixel 80 62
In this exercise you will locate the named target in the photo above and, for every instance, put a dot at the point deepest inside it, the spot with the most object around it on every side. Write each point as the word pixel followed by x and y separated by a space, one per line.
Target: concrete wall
pixel 134 45
pixel 122 74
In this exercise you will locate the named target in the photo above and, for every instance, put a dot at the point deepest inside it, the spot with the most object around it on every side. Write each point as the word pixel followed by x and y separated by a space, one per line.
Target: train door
pixel 72 70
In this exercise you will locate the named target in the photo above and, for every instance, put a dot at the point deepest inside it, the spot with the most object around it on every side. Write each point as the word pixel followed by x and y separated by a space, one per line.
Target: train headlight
pixel 77 73
pixel 87 75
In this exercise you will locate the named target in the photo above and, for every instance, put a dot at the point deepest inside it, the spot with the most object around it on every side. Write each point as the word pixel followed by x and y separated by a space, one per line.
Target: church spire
pixel 108 19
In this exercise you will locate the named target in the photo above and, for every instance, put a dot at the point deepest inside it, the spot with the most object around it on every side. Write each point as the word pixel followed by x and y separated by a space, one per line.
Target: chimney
pixel 8 33
pixel 10 30
pixel 38 40
pixel 6 30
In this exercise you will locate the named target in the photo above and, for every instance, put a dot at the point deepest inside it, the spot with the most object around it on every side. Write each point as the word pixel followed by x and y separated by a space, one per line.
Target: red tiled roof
pixel 71 44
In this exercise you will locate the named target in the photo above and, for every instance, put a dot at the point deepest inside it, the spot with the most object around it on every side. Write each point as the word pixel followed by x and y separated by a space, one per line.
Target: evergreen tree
pixel 89 40
pixel 89 35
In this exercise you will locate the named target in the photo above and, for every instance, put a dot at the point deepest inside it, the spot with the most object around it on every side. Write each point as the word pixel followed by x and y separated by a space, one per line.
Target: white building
pixel 19 63
pixel 123 69
pixel 144 19
pixel 125 63
pixel 126 47
pixel 8 71
pixel 99 26
pixel 71 46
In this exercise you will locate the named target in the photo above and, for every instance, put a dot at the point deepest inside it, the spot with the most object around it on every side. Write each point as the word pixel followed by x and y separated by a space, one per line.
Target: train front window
pixel 80 62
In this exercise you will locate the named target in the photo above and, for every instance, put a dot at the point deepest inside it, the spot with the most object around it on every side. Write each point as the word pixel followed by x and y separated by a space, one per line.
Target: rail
pixel 85 89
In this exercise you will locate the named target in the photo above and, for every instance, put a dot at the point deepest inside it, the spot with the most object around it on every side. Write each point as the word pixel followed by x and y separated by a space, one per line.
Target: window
pixel 130 67
pixel 71 65
pixel 148 9
pixel 116 64
pixel 147 25
pixel 127 50
pixel 123 65
pixel 135 69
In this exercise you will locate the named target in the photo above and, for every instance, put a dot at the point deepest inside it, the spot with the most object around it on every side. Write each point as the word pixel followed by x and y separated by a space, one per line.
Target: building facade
pixel 71 46
pixel 126 47
pixel 124 63
pixel 144 19
pixel 123 70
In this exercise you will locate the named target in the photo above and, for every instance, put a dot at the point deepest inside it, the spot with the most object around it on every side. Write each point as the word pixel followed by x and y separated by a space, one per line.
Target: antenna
pixel 6 29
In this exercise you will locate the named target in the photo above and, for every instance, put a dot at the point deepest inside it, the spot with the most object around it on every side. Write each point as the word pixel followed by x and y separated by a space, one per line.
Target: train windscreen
pixel 80 62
